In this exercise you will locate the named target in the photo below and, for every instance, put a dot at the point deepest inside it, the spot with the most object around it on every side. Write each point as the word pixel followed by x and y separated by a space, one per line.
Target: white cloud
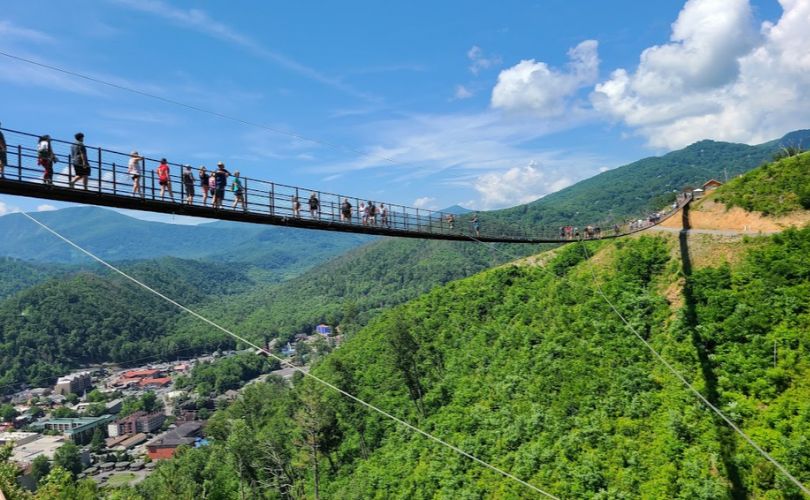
pixel 200 21
pixel 7 209
pixel 717 77
pixel 479 61
pixel 518 185
pixel 545 91
pixel 462 92
pixel 20 33
pixel 45 208
pixel 425 202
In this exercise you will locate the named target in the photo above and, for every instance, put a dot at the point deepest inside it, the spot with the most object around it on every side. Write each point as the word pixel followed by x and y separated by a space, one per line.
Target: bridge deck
pixel 265 202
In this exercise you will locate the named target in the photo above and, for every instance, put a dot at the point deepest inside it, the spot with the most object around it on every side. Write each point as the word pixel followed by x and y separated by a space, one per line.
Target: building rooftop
pixel 155 381
pixel 140 373
pixel 15 436
pixel 45 445
pixel 72 376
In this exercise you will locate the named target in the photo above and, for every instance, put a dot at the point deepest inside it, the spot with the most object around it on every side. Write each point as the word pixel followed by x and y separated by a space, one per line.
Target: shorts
pixel 189 189
pixel 238 194
pixel 135 177
pixel 163 182
pixel 3 159
pixel 220 193
pixel 83 170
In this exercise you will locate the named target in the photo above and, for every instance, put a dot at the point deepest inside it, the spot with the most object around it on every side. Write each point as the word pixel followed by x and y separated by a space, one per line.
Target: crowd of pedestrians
pixel 213 184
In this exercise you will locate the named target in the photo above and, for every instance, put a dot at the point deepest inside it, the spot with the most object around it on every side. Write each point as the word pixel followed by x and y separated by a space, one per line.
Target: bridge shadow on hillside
pixel 725 435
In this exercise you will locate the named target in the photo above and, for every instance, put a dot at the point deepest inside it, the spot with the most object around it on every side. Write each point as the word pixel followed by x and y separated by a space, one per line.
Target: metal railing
pixel 109 176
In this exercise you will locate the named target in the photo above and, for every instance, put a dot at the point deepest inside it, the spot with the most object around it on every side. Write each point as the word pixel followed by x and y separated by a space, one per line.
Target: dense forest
pixel 525 366
pixel 92 317
pixel 529 369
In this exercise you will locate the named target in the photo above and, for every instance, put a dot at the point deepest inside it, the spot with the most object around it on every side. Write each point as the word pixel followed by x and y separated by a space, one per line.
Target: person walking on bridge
pixel 346 211
pixel 221 179
pixel 135 171
pixel 384 215
pixel 203 175
pixel 165 179
pixel 296 207
pixel 81 165
pixel 238 191
pixel 46 158
pixel 314 206
pixel 188 184
pixel 476 225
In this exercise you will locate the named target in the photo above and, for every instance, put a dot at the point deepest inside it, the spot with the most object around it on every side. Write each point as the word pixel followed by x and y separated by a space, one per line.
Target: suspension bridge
pixel 265 202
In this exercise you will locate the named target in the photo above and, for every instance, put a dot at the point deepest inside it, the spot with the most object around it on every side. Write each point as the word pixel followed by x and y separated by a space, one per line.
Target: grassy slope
pixel 775 189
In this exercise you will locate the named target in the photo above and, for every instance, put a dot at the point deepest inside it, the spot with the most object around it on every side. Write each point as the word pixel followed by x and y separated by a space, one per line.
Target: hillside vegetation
pixel 776 189
pixel 529 369
pixel 355 287
pixel 93 317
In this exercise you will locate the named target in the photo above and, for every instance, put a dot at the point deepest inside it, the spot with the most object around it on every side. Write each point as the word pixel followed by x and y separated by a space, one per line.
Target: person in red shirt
pixel 164 179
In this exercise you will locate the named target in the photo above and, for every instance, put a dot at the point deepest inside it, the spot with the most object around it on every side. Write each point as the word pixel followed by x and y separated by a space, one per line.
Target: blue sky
pixel 484 104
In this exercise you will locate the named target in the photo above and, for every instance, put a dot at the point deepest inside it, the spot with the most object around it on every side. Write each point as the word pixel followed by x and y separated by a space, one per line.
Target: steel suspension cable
pixel 287 363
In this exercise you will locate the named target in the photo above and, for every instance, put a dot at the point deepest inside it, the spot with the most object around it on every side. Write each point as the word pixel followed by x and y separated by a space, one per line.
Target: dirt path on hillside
pixel 709 215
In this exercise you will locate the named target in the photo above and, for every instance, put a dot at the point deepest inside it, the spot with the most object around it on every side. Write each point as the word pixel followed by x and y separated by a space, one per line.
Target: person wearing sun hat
pixel 135 170
pixel 221 176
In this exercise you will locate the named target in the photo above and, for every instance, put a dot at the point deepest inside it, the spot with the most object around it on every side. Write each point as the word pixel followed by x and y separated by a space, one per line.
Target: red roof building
pixel 155 382
pixel 142 373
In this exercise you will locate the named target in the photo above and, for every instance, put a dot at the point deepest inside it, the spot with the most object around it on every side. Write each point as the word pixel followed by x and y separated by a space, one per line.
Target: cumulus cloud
pixel 479 61
pixel 518 185
pixel 717 77
pixel 543 90
pixel 45 208
pixel 425 202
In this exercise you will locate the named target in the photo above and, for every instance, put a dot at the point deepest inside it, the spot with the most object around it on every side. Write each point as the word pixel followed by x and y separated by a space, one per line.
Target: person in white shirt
pixel 135 170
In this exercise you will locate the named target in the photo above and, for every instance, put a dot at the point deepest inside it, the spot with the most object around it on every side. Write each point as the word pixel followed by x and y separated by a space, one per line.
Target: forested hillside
pixel 646 184
pixel 529 369
pixel 92 317
pixel 117 237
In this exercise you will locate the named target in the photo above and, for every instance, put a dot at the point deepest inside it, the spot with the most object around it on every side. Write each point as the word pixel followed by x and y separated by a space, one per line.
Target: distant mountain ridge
pixel 646 184
pixel 118 237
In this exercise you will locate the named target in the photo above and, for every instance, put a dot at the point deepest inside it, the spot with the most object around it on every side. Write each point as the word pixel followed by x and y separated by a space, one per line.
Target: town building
pixel 79 430
pixel 711 185
pixel 140 421
pixel 25 453
pixel 17 438
pixel 324 330
pixel 142 373
pixel 164 447
pixel 154 383
pixel 76 383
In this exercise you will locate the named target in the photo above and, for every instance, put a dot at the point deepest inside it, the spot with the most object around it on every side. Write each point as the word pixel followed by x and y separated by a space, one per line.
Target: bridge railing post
pixel 100 170
pixel 19 162
pixel 245 203
pixel 152 176
pixel 114 183
pixel 272 198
